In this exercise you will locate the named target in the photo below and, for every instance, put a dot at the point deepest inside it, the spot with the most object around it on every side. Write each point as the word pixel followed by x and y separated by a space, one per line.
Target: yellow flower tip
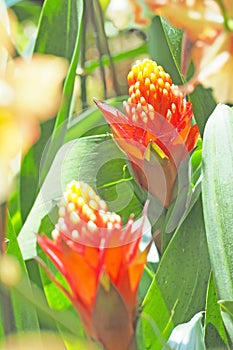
pixel 151 90
pixel 82 205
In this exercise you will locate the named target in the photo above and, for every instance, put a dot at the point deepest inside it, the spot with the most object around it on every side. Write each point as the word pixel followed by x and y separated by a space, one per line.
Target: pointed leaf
pixel 227 315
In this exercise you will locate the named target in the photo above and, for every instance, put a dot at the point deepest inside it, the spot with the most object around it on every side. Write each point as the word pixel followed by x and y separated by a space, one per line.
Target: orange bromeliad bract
pixel 100 261
pixel 156 130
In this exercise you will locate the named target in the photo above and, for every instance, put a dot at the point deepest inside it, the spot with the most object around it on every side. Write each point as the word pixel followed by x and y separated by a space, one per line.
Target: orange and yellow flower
pixel 156 130
pixel 94 252
pixel 208 40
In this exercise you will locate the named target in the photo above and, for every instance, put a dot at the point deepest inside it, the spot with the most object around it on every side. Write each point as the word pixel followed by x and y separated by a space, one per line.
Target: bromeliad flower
pixel 156 130
pixel 101 263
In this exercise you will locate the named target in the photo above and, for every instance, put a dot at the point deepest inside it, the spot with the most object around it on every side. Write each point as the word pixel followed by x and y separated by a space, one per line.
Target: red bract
pixel 100 261
pixel 156 130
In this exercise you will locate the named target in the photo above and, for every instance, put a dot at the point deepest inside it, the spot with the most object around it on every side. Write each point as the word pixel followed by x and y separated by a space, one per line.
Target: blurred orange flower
pixel 156 131
pixel 29 93
pixel 208 32
pixel 100 261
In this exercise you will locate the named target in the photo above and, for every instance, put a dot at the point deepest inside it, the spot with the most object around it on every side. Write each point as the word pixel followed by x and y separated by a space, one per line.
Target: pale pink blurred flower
pixel 126 12
pixel 208 40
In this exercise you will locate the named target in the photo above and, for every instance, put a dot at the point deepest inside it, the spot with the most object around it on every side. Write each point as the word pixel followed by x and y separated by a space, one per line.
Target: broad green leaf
pixel 217 196
pixel 159 47
pixel 179 287
pixel 203 105
pixel 188 336
pixel 227 315
pixel 153 331
pixel 215 334
pixel 58 28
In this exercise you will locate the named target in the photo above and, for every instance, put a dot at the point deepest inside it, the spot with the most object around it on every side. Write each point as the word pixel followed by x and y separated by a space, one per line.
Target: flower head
pixel 156 131
pixel 92 251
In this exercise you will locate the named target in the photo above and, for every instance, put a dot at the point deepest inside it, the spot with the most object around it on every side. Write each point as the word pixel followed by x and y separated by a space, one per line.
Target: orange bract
pixel 89 242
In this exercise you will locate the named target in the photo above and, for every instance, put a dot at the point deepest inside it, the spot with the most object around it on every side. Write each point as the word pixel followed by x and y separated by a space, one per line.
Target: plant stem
pixel 98 43
pixel 114 76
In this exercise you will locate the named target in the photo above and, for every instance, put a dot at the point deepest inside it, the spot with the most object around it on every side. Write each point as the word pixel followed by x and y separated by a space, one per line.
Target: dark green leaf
pixel 203 105
pixel 215 334
pixel 179 287
pixel 163 50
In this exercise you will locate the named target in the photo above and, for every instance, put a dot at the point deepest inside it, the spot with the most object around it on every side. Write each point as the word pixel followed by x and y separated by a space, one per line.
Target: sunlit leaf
pixel 188 336
pixel 217 196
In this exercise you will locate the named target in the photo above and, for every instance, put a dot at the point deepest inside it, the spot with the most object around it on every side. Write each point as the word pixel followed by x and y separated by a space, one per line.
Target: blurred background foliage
pixel 100 52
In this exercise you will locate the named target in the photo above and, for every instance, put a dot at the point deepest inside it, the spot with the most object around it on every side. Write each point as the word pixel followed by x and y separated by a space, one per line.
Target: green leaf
pixel 217 196
pixel 27 10
pixel 203 105
pixel 167 49
pixel 25 315
pixel 227 315
pixel 57 30
pixel 179 287
pixel 188 336
pixel 30 170
pixel 59 33
pixel 215 334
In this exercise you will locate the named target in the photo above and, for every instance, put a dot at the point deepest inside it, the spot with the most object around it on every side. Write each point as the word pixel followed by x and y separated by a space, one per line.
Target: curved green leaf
pixel 217 196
